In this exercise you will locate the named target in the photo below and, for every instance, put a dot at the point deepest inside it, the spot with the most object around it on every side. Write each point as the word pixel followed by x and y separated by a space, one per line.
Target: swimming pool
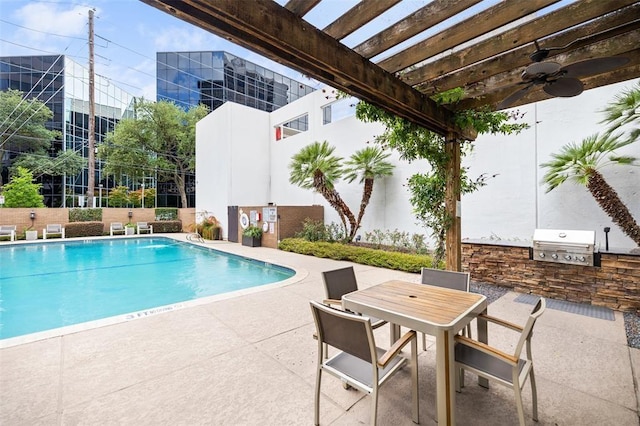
pixel 49 285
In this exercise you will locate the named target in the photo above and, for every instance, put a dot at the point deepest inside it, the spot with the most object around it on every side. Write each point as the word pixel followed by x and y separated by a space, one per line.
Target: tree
pixel 582 163
pixel 624 111
pixel 315 167
pixel 21 191
pixel 414 142
pixel 368 164
pixel 161 139
pixel 22 128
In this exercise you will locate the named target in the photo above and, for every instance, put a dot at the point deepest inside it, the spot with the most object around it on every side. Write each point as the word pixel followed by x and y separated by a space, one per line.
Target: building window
pixel 292 127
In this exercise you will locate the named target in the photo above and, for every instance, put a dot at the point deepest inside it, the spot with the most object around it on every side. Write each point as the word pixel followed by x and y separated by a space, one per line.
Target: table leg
pixel 395 333
pixel 484 338
pixel 445 378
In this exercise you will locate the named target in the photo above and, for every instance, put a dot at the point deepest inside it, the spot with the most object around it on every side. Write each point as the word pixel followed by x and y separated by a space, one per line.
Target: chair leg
pixel 518 392
pixel 415 407
pixel 424 342
pixel 534 395
pixel 316 404
pixel 374 405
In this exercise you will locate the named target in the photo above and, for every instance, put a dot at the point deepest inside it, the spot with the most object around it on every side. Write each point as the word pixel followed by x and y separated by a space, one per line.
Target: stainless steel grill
pixel 565 246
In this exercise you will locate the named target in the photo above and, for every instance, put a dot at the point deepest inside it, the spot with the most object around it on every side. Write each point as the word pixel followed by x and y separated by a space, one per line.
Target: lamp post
pixel 142 195
pixel 100 196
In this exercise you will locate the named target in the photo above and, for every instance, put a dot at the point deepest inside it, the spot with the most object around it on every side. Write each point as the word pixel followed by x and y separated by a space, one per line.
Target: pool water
pixel 50 285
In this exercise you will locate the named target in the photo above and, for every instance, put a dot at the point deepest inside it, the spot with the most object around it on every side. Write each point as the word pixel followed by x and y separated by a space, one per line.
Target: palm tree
pixel 582 162
pixel 315 167
pixel 367 164
pixel 623 111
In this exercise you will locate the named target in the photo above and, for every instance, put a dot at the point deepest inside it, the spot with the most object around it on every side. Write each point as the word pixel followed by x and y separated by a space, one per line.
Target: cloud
pixel 51 18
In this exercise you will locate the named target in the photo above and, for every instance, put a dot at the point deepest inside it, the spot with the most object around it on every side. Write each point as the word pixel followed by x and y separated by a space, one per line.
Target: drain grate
pixel 571 307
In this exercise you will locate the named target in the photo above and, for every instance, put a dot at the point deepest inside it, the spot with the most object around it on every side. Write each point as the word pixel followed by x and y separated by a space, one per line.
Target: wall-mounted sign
pixel 270 214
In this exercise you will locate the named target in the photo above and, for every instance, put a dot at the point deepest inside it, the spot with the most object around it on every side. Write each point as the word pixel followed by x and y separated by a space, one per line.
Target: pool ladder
pixel 195 237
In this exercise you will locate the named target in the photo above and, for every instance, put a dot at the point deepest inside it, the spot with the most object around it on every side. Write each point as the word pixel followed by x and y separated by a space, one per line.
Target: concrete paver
pixel 251 360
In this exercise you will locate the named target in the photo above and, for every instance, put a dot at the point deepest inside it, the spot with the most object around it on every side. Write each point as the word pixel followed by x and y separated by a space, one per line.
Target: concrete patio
pixel 250 360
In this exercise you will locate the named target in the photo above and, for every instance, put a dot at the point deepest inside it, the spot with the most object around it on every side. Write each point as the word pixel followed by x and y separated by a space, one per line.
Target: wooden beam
pixel 275 32
pixel 554 22
pixel 629 72
pixel 609 25
pixel 357 16
pixel 453 237
pixel 614 46
pixel 301 7
pixel 422 19
pixel 488 20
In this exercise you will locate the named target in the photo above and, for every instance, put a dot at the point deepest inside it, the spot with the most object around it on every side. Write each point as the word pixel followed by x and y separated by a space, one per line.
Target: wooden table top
pixel 434 306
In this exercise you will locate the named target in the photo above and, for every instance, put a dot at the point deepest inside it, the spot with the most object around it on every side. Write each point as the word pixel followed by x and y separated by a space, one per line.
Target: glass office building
pixel 63 85
pixel 213 78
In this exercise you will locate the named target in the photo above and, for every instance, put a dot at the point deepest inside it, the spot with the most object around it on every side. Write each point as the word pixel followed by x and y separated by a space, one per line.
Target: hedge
pixel 83 229
pixel 164 226
pixel 406 262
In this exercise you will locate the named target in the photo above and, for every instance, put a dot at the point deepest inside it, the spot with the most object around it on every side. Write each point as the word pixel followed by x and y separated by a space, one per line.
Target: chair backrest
pixel 345 331
pixel 448 279
pixel 339 282
pixel 116 225
pixel 54 228
pixel 527 331
pixel 8 228
pixel 142 225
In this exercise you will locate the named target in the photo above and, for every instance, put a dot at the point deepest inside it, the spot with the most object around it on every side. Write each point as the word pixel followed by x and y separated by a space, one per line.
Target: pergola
pixel 479 45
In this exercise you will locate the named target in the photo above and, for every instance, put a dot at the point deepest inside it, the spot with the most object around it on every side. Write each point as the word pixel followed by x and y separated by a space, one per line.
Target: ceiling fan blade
pixel 564 87
pixel 593 66
pixel 540 68
pixel 514 97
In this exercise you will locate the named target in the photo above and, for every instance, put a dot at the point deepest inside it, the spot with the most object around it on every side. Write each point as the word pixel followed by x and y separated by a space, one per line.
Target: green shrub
pixel 252 231
pixel 367 256
pixel 84 229
pixel 165 226
pixel 85 215
pixel 164 213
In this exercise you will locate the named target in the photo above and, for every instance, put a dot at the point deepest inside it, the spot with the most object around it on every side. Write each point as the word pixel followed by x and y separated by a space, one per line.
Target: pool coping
pixel 299 275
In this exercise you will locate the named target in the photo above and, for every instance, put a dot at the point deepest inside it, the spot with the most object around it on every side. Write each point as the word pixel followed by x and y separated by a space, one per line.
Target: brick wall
pixel 615 284
pixel 21 217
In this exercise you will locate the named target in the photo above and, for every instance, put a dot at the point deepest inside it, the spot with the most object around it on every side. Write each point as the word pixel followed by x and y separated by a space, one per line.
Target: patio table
pixel 436 311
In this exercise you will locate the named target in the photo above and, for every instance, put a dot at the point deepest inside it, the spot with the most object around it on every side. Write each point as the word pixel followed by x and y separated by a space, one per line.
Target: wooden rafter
pixel 301 7
pixel 426 17
pixel 536 29
pixel 275 32
pixel 357 16
pixel 484 22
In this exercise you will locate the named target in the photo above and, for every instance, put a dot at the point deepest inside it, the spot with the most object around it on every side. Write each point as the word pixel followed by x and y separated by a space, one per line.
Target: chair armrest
pixel 483 347
pixel 396 348
pixel 507 324
pixel 332 302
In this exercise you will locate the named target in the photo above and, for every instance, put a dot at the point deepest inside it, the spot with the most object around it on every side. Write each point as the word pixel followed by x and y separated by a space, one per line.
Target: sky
pixel 128 33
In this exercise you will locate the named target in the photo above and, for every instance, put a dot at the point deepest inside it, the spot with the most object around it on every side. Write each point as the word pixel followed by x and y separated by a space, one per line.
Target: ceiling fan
pixel 558 80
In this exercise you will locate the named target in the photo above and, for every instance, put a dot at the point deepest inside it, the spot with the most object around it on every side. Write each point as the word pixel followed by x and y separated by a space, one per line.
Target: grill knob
pixel 581 258
pixel 541 255
pixel 554 256
pixel 567 257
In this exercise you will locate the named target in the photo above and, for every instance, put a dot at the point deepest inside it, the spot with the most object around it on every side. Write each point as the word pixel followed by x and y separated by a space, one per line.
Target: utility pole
pixel 91 181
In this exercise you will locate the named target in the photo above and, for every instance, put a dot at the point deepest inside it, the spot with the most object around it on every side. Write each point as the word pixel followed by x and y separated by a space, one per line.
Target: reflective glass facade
pixel 63 85
pixel 213 78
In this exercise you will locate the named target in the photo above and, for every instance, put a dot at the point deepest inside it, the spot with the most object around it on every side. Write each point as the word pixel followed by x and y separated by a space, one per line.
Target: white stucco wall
pixel 510 207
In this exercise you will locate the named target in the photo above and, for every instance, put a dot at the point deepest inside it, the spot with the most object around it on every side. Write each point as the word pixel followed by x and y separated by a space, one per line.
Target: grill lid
pixel 565 237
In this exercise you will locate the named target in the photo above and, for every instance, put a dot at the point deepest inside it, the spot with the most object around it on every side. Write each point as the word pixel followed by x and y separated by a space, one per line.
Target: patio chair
pixel 447 279
pixel 8 231
pixel 53 229
pixel 116 228
pixel 360 363
pixel 508 369
pixel 144 227
pixel 339 282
